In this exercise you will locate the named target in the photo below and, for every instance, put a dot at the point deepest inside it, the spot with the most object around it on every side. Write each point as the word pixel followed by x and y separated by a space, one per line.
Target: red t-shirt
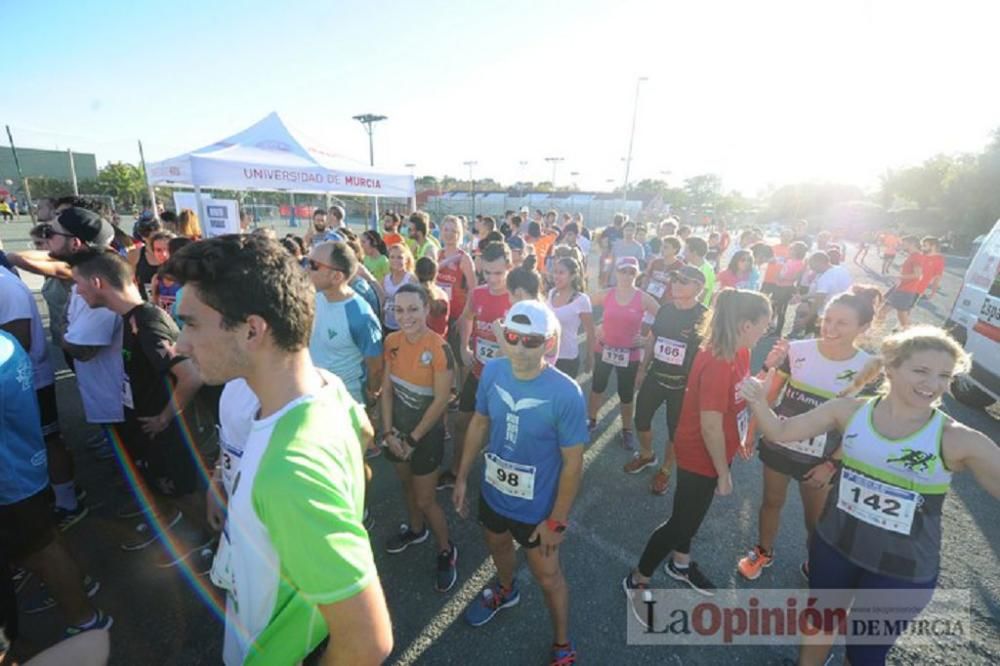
pixel 487 308
pixel 909 266
pixel 452 280
pixel 712 386
pixel 933 267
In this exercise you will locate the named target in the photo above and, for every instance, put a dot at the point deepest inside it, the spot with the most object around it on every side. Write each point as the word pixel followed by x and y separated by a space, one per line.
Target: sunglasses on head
pixel 527 340
pixel 683 281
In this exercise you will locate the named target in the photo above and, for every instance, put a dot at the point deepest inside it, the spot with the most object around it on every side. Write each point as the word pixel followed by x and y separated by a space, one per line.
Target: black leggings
pixel 652 394
pixel 626 378
pixel 692 498
pixel 780 298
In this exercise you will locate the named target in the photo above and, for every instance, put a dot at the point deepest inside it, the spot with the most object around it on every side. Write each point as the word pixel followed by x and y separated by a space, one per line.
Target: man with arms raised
pixel 301 563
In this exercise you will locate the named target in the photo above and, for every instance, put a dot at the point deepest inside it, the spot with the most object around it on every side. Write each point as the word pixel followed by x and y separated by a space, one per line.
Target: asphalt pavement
pixel 166 616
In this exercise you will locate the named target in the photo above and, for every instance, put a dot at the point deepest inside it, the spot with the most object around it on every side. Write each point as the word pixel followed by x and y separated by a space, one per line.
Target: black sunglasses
pixel 47 231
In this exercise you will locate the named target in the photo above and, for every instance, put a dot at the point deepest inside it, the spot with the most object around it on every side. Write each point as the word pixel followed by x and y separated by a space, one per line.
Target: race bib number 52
pixel 486 350
pixel 511 479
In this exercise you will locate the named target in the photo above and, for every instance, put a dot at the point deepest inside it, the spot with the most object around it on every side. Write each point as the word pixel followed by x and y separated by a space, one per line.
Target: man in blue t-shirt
pixel 533 420
pixel 347 336
pixel 28 534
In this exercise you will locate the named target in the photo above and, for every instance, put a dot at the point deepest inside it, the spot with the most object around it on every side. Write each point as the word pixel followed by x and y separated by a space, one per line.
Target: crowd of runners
pixel 458 350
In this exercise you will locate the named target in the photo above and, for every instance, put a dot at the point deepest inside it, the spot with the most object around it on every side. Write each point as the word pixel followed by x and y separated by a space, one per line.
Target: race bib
pixel 810 447
pixel 486 350
pixel 743 424
pixel 877 503
pixel 127 393
pixel 656 289
pixel 446 288
pixel 616 356
pixel 221 573
pixel 648 319
pixel 669 351
pixel 511 479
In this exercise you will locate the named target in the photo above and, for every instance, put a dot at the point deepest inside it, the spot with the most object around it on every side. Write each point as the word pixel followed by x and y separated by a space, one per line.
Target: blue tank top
pixel 23 463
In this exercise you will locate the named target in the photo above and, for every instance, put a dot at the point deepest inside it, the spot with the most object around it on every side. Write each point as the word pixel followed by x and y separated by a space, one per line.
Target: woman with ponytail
pixel 808 373
pixel 713 425
pixel 573 310
pixel 376 254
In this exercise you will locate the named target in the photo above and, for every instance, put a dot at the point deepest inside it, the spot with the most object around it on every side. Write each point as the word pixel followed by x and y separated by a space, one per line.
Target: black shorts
pixel 427 456
pixel 47 410
pixel 498 524
pixel 26 527
pixel 169 465
pixel 570 366
pixel 901 300
pixel 775 460
pixel 467 400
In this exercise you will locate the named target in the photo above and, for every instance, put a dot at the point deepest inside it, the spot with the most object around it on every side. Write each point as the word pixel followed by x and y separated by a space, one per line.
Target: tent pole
pixel 197 199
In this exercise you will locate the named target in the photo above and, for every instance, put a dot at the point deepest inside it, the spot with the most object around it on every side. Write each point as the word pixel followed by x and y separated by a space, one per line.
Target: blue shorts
pixel 829 570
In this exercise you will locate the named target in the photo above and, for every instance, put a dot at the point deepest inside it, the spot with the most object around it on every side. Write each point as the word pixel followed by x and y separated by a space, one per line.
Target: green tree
pixel 124 182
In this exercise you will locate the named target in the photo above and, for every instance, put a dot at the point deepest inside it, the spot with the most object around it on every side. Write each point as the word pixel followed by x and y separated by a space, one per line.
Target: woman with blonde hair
pixel 401 265
pixel 188 225
pixel 880 532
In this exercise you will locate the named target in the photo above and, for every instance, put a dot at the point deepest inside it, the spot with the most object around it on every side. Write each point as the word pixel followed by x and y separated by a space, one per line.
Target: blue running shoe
pixel 489 602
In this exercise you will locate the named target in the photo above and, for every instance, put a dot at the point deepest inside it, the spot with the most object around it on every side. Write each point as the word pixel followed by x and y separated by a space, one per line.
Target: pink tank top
pixel 621 323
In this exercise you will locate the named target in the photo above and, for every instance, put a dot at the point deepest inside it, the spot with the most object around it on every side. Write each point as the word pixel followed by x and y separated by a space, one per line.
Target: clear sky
pixel 765 92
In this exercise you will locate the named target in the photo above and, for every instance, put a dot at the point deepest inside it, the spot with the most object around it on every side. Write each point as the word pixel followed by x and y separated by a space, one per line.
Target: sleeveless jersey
pixel 487 308
pixel 812 380
pixel 884 510
pixel 621 326
pixel 452 280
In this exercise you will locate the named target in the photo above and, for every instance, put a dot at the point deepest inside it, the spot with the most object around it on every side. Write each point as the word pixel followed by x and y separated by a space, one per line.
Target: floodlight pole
pixel 20 174
pixel 472 188
pixel 369 120
pixel 555 163
pixel 631 140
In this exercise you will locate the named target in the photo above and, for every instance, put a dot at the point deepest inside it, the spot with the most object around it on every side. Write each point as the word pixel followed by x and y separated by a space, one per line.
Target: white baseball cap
pixel 531 317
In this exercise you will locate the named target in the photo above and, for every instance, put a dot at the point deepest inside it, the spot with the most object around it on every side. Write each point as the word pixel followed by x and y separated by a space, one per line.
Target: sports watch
pixel 556 526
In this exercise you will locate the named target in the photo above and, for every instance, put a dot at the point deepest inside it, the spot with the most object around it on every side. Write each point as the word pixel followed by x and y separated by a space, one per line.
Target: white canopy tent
pixel 268 156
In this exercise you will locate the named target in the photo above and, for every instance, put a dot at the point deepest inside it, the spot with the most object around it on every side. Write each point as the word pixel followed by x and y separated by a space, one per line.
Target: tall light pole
pixel 369 120
pixel 555 163
pixel 472 187
pixel 631 140
pixel 410 166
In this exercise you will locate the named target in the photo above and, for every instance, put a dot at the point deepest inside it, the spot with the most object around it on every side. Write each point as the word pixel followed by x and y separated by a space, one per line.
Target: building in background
pixel 36 163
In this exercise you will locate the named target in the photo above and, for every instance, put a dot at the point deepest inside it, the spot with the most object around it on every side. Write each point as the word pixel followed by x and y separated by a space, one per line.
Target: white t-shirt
pixel 569 323
pixel 584 245
pixel 238 406
pixel 100 379
pixel 834 280
pixel 16 303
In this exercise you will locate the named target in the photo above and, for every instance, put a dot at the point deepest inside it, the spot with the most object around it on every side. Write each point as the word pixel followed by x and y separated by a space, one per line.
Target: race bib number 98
pixel 511 479
pixel 877 503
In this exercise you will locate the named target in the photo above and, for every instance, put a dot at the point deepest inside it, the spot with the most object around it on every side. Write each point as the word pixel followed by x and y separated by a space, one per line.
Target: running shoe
pixel 660 483
pixel 563 655
pixel 453 404
pixel 804 570
pixel 81 493
pixel 489 602
pixel 638 463
pixel 628 440
pixel 181 548
pixel 447 568
pixel 368 520
pixel 445 480
pixel 591 425
pixel 638 596
pixel 66 519
pixel 131 509
pixel 751 566
pixel 99 623
pixel 20 577
pixel 106 452
pixel 691 575
pixel 43 601
pixel 145 534
pixel 97 441
pixel 405 539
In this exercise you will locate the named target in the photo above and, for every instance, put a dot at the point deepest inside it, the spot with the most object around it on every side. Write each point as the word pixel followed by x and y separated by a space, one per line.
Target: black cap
pixel 87 226
pixel 689 272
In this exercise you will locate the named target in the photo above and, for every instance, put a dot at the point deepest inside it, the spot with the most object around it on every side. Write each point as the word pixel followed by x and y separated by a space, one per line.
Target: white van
pixel 975 322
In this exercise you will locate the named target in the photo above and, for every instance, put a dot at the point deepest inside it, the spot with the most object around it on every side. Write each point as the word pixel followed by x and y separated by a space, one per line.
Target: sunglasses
pixel 683 281
pixel 316 265
pixel 527 340
pixel 47 231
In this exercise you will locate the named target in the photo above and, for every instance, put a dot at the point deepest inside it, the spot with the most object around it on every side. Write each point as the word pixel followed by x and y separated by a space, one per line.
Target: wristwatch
pixel 410 441
pixel 556 526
